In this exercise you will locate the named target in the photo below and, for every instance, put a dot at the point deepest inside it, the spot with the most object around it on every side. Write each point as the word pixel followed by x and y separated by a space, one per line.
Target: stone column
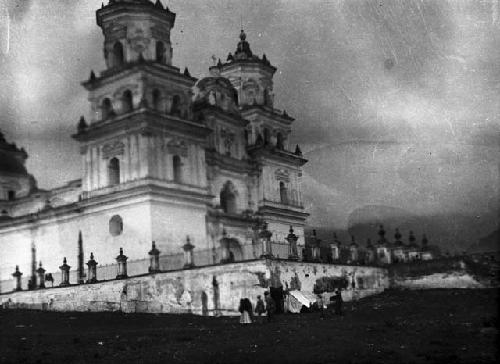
pixel 188 254
pixel 41 276
pixel 122 265
pixel 154 259
pixel 17 276
pixel 92 269
pixel 292 241
pixel 265 238
pixel 64 273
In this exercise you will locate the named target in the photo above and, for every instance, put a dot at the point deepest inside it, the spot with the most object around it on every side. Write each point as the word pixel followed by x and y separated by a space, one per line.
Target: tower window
pixel 114 171
pixel 118 54
pixel 11 195
pixel 160 52
pixel 127 100
pixel 106 109
pixel 175 110
pixel 156 99
pixel 177 163
pixel 228 198
pixel 279 141
pixel 267 136
pixel 283 193
pixel 116 225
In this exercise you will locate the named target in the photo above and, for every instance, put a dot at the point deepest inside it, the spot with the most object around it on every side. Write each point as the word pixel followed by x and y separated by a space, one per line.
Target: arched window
pixel 280 141
pixel 283 193
pixel 11 195
pixel 156 99
pixel 160 52
pixel 175 109
pixel 267 136
pixel 118 55
pixel 114 171
pixel 246 137
pixel 106 109
pixel 115 225
pixel 228 198
pixel 266 96
pixel 127 100
pixel 177 168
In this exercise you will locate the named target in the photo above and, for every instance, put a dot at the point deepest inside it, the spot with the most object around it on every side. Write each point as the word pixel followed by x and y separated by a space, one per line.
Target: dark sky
pixel 396 102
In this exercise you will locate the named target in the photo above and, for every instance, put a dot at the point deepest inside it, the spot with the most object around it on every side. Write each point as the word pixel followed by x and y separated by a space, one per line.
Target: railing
pixel 205 257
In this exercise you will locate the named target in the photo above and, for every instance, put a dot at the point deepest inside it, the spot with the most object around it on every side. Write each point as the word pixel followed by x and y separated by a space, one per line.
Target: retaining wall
pixel 210 290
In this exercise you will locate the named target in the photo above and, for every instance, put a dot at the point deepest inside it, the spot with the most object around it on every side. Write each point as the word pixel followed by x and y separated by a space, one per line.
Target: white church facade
pixel 164 156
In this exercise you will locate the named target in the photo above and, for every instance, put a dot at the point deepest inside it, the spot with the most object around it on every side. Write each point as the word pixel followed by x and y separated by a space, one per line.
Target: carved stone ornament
pixel 282 175
pixel 177 147
pixel 112 149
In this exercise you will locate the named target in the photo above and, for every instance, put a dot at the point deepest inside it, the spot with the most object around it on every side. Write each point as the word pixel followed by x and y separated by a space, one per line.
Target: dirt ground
pixel 435 326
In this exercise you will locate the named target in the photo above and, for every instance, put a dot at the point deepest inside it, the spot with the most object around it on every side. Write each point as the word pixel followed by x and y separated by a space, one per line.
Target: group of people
pixel 268 307
pixel 335 302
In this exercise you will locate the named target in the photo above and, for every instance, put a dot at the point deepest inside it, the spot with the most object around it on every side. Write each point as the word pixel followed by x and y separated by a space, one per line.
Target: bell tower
pixel 135 28
pixel 140 126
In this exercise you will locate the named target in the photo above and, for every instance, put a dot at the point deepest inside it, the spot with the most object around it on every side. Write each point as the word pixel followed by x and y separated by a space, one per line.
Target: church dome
pixel 11 165
pixel 11 158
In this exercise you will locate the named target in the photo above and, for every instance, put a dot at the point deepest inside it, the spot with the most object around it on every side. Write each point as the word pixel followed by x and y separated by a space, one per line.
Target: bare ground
pixel 434 326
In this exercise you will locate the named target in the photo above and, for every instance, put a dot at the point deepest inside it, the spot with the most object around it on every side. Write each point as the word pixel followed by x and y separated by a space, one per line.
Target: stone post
pixel 92 269
pixel 64 273
pixel 154 259
pixel 41 276
pixel 265 237
pixel 225 247
pixel 122 265
pixel 17 275
pixel 316 252
pixel 292 241
pixel 188 254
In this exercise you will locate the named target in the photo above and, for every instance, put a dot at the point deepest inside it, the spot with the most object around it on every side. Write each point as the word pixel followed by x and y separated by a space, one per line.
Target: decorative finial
pixel 186 72
pixel 121 251
pixel 82 124
pixel 92 76
pixel 291 229
pixel 91 256
pixel 298 152
pixel 243 36
pixel 219 63
pixel 230 57
pixel 64 260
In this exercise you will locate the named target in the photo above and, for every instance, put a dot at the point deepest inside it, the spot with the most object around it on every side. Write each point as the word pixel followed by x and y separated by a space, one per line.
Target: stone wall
pixel 210 290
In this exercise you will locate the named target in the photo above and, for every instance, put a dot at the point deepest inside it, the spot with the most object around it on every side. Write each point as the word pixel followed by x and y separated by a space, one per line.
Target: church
pixel 165 157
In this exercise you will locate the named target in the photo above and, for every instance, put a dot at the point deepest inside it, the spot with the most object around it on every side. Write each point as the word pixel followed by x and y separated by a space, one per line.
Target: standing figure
pixel 320 303
pixel 260 308
pixel 246 311
pixel 338 302
pixel 270 305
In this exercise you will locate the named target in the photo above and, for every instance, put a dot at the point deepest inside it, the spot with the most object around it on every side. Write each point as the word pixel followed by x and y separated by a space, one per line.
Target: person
pixel 259 307
pixel 270 305
pixel 319 302
pixel 246 311
pixel 338 302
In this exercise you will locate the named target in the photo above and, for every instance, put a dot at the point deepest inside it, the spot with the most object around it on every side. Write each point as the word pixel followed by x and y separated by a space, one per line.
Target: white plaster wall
pixel 172 223
pixel 58 237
